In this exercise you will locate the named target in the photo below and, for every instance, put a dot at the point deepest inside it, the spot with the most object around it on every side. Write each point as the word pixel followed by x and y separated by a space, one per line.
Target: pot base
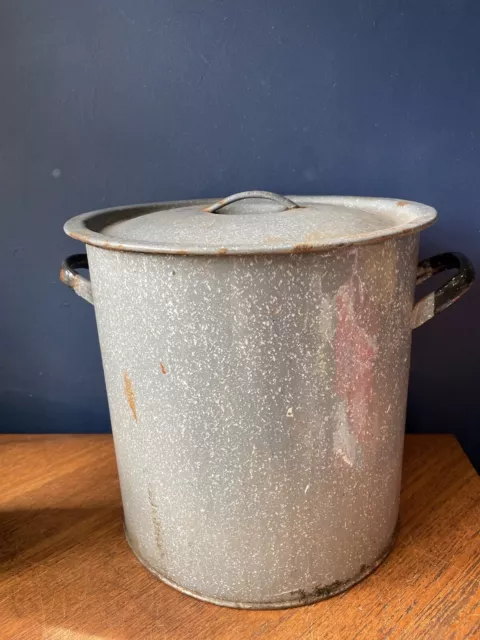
pixel 299 597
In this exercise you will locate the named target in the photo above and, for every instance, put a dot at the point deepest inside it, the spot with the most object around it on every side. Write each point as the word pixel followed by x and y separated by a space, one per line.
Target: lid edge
pixel 79 229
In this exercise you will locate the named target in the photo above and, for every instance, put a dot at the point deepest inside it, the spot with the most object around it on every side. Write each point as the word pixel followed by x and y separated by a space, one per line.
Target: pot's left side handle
pixel 450 292
pixel 70 277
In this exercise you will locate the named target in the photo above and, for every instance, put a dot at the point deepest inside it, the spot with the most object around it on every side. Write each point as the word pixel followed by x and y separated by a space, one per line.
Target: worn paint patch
pixel 314 236
pixel 77 283
pixel 402 203
pixel 355 351
pixel 157 530
pixel 162 368
pixel 130 394
pixel 272 240
pixel 423 310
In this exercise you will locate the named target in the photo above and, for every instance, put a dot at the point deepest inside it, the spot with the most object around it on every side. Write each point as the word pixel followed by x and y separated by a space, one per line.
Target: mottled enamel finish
pixel 258 408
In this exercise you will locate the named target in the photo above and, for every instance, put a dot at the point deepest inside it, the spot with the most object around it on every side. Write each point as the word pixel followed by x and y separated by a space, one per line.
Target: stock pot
pixel 256 355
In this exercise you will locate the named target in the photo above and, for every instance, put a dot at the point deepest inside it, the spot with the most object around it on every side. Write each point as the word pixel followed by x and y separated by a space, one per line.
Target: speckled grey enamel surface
pixel 258 408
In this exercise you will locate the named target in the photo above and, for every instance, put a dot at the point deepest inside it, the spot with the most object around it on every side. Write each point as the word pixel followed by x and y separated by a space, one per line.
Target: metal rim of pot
pixel 83 227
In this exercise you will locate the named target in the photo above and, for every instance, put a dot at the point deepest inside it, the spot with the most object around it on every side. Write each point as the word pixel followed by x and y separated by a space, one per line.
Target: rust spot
pixel 219 204
pixel 82 237
pixel 318 593
pixel 222 251
pixel 162 367
pixel 64 277
pixel 106 244
pixel 402 203
pixel 303 248
pixel 329 590
pixel 129 394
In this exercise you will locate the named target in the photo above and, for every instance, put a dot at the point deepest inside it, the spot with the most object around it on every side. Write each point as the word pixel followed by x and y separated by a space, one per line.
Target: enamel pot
pixel 256 355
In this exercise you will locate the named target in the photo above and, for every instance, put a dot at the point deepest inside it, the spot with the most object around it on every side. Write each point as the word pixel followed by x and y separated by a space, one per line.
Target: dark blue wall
pixel 109 102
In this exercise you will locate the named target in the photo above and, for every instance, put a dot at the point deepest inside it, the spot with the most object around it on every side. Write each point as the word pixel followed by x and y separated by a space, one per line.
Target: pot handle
pixel 438 300
pixel 70 277
pixel 216 206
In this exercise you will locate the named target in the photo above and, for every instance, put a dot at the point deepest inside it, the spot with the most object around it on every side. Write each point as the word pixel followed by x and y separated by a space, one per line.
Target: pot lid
pixel 250 222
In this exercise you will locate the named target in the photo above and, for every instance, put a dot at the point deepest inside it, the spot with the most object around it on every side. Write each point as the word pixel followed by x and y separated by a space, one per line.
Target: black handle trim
pixel 448 293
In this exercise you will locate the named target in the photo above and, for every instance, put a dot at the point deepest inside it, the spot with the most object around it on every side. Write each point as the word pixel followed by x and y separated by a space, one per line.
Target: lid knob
pixel 215 208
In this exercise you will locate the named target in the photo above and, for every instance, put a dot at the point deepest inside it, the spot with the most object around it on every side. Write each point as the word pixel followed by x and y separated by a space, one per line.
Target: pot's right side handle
pixel 447 294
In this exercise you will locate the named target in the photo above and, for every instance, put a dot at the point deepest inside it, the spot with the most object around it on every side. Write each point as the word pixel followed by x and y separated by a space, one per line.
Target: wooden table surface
pixel 67 573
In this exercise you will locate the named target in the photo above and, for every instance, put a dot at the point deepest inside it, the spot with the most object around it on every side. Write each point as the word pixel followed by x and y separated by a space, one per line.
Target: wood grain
pixel 66 572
